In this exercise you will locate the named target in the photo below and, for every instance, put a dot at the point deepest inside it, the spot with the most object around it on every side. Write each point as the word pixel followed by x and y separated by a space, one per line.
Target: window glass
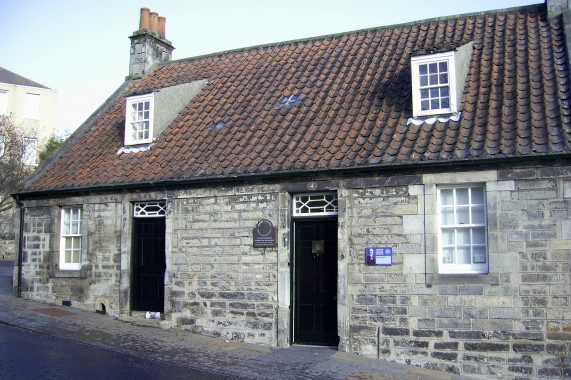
pixel 479 236
pixel 462 215
pixel 449 256
pixel 32 106
pixel 3 102
pixel 447 216
pixel 432 84
pixel 71 238
pixel 462 235
pixel 479 254
pixel 447 197
pixel 30 153
pixel 448 236
pixel 463 256
pixel 478 195
pixel 462 196
pixel 478 215
pixel 139 120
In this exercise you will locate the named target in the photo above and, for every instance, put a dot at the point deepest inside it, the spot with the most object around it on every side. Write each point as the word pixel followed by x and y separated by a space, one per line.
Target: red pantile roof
pixel 354 107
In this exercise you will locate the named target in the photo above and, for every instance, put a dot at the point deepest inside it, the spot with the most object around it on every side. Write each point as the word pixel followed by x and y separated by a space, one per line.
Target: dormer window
pixel 148 115
pixel 139 119
pixel 438 81
pixel 434 84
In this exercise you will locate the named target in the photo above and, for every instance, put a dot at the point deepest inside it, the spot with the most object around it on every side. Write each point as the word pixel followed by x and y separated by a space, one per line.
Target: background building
pixel 32 108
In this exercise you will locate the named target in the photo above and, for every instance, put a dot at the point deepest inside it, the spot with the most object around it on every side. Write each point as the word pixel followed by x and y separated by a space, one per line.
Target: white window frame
pixel 132 119
pixel 301 204
pixel 31 106
pixel 416 62
pixel 71 232
pixel 449 243
pixel 3 102
pixel 30 151
pixel 150 209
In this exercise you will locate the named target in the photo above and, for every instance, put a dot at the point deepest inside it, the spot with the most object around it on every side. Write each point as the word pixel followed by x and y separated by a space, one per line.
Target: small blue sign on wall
pixel 379 256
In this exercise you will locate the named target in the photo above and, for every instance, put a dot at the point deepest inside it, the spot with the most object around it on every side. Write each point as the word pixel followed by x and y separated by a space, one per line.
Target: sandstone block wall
pixel 221 285
pixel 513 322
pixel 97 283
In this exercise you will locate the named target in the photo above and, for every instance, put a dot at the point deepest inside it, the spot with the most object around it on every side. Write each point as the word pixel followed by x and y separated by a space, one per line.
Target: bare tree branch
pixel 13 170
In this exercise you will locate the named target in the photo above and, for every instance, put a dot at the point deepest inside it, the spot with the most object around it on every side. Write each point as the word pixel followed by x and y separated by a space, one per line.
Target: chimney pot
pixel 162 26
pixel 154 22
pixel 145 22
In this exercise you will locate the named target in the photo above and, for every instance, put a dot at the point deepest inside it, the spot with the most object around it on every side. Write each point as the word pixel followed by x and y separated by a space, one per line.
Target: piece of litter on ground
pixel 153 315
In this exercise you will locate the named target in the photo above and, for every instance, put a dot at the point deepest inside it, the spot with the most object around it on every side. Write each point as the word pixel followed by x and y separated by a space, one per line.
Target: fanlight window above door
pixel 314 204
pixel 150 209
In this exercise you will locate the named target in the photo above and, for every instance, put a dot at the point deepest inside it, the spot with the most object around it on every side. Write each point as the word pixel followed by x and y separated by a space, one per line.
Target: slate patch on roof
pixel 289 101
pixel 356 110
pixel 219 125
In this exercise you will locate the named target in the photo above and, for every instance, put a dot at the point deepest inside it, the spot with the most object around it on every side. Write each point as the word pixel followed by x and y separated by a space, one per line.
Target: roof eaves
pixel 351 170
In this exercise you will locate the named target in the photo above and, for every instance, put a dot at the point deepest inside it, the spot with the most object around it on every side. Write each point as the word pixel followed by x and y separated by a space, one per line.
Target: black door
pixel 149 264
pixel 315 282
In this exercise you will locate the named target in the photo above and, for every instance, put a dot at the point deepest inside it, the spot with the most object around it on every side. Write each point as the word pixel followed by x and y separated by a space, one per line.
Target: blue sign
pixel 379 256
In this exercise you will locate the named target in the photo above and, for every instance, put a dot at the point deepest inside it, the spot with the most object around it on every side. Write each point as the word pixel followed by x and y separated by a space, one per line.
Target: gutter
pixel 20 244
pixel 299 175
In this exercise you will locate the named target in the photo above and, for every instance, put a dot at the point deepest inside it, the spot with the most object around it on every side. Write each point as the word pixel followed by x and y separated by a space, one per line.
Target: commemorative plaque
pixel 265 234
pixel 379 256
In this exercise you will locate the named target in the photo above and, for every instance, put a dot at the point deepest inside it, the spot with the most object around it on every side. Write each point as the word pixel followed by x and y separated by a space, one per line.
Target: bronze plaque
pixel 265 234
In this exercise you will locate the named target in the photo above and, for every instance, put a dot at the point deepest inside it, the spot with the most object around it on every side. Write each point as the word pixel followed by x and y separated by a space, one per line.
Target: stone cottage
pixel 400 192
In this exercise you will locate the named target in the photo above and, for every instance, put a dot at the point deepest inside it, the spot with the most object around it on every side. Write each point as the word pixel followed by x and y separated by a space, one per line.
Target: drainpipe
pixel 20 244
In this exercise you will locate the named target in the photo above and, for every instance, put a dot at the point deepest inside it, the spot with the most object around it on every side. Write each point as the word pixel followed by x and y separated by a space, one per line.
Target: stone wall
pixel 216 282
pixel 221 285
pixel 513 322
pixel 97 283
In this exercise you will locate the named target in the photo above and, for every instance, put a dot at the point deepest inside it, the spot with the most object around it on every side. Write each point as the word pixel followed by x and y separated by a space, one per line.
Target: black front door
pixel 315 283
pixel 149 264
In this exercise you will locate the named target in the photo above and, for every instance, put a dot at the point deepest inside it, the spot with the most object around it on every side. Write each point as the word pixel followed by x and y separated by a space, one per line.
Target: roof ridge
pixel 346 33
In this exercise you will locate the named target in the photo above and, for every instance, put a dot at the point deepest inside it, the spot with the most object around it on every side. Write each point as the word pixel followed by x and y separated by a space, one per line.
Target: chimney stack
pixel 149 45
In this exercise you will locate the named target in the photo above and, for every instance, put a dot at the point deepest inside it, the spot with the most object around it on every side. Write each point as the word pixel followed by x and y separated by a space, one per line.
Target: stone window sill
pixel 59 273
pixel 452 279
